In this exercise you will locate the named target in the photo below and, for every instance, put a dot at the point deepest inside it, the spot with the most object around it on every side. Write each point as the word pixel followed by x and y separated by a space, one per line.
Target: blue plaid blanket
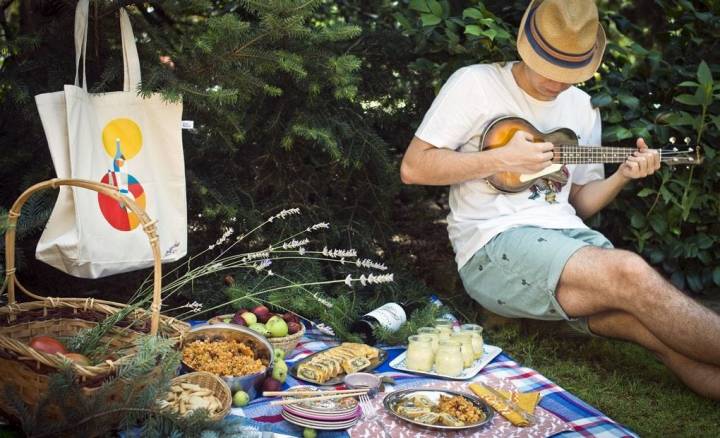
pixel 585 420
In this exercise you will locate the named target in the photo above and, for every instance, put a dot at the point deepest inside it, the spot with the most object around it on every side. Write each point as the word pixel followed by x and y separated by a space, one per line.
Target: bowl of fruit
pixel 282 330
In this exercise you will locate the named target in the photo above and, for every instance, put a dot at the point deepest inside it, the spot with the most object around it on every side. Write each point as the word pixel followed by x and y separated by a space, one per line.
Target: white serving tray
pixel 489 353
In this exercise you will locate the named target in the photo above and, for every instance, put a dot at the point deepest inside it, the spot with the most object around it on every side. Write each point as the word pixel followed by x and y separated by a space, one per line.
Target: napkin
pixel 523 400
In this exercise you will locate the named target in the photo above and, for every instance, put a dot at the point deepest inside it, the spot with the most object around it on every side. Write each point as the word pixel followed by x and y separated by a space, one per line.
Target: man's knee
pixel 633 275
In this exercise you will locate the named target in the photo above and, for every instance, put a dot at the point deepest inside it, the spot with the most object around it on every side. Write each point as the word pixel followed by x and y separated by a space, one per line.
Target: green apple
pixel 280 370
pixel 241 398
pixel 277 327
pixel 278 354
pixel 260 328
pixel 249 318
pixel 309 433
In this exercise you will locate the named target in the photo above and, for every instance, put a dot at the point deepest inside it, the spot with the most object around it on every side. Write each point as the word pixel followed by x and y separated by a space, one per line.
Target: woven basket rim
pixel 56 361
pixel 299 333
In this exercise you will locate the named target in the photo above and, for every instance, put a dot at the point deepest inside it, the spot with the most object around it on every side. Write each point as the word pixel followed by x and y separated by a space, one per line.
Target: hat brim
pixel 552 71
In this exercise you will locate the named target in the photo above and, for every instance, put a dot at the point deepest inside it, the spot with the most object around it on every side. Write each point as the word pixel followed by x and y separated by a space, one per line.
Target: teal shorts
pixel 516 274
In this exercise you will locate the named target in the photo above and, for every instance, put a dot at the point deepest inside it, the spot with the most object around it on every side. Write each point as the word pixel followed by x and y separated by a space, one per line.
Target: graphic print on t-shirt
pixel 550 185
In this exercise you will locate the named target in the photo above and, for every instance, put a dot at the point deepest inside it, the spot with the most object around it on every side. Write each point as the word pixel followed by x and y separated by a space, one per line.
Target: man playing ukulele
pixel 529 254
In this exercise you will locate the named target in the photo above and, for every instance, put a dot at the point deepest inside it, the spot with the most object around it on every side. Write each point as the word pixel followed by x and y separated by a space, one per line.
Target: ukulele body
pixel 499 132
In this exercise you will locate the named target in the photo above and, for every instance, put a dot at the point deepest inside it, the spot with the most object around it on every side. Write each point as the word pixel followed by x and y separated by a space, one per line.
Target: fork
pixel 370 413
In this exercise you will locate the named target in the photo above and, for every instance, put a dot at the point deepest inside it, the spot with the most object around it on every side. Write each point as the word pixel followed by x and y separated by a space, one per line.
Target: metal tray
pixel 382 357
pixel 391 401
pixel 489 353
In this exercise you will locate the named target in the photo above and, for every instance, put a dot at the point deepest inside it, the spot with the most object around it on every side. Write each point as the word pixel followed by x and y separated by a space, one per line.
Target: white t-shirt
pixel 469 100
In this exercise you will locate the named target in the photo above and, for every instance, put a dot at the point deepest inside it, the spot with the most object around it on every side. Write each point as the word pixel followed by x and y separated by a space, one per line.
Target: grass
pixel 624 381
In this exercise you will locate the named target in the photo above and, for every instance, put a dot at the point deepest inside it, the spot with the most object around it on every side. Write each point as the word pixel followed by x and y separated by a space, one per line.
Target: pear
pixel 278 354
pixel 280 370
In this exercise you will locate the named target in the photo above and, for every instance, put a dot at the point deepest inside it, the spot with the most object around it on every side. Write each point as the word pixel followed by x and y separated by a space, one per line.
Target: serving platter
pixel 374 363
pixel 490 352
pixel 392 401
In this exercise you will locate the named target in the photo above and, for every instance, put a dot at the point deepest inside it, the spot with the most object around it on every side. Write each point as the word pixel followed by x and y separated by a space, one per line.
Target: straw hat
pixel 562 39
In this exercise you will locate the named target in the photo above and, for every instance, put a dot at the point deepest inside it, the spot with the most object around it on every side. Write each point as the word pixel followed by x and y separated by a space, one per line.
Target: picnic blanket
pixel 571 416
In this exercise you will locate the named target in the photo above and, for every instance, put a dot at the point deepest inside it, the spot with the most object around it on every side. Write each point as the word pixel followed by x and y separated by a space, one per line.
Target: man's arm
pixel 590 198
pixel 426 164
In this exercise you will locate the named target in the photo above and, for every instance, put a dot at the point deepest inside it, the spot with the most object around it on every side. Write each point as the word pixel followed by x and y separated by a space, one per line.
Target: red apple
pixel 293 327
pixel 271 384
pixel 47 344
pixel 262 313
pixel 290 317
pixel 238 319
pixel 77 358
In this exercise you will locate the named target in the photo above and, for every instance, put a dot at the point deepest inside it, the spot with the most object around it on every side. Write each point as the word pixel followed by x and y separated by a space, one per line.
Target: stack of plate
pixel 324 414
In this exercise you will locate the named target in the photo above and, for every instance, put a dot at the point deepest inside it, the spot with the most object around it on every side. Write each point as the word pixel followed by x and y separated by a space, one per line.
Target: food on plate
pixel 452 411
pixel 186 397
pixel 47 344
pixel 222 357
pixel 460 408
pixel 346 358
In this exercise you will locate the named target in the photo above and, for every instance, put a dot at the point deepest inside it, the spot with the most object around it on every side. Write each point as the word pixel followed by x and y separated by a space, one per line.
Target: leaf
pixel 473 29
pixel 419 5
pixel 430 20
pixel 688 84
pixel 631 102
pixel 646 192
pixel 617 132
pixel 490 33
pixel 637 220
pixel 688 99
pixel 678 279
pixel 716 275
pixel 658 224
pixel 435 8
pixel 404 22
pixel 704 241
pixel 600 100
pixel 472 13
pixel 695 282
pixel 704 75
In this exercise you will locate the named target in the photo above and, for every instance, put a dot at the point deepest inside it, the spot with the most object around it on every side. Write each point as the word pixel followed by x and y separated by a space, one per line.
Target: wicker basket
pixel 285 343
pixel 25 369
pixel 212 382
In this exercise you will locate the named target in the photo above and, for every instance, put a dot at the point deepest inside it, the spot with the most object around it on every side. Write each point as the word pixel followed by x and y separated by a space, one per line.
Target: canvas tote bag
pixel 117 138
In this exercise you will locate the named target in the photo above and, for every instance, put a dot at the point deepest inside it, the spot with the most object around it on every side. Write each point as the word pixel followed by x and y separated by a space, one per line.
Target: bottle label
pixel 390 315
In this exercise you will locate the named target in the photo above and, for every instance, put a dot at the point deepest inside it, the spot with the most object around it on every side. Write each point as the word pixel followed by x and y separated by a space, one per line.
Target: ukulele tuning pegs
pixel 675 149
pixel 672 140
pixel 691 150
pixel 687 140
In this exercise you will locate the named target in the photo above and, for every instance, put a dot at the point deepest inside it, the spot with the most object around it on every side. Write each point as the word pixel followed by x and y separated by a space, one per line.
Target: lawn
pixel 622 380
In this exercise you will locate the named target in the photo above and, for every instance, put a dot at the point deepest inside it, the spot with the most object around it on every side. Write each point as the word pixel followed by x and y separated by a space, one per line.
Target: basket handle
pixel 105 189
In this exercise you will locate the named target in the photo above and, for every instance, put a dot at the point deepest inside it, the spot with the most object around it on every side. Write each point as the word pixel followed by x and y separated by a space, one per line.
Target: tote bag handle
pixel 131 61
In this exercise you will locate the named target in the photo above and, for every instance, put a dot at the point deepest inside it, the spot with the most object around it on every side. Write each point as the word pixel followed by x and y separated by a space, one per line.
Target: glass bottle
pixel 449 359
pixel 433 334
pixel 444 328
pixel 390 316
pixel 419 355
pixel 477 338
pixel 466 348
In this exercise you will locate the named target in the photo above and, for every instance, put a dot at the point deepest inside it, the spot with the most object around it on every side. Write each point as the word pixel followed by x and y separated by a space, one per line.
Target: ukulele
pixel 566 151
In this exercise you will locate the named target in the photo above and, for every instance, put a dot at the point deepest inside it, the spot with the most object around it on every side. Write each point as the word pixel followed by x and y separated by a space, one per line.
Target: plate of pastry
pixel 329 367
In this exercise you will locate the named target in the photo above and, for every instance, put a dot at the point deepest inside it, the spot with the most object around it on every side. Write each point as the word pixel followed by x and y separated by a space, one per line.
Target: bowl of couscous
pixel 234 353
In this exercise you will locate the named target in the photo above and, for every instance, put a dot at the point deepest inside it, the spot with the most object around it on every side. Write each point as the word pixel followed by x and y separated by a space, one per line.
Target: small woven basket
pixel 212 382
pixel 25 370
pixel 285 343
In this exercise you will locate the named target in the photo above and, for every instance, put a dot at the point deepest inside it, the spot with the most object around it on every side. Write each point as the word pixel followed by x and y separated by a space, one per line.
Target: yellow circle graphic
pixel 127 133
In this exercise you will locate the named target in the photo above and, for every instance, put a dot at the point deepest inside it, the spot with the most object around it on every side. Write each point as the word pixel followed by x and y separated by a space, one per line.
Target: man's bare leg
pixel 597 280
pixel 702 378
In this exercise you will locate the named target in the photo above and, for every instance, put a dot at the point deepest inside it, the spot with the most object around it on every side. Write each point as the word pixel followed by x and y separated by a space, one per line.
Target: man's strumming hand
pixel 522 155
